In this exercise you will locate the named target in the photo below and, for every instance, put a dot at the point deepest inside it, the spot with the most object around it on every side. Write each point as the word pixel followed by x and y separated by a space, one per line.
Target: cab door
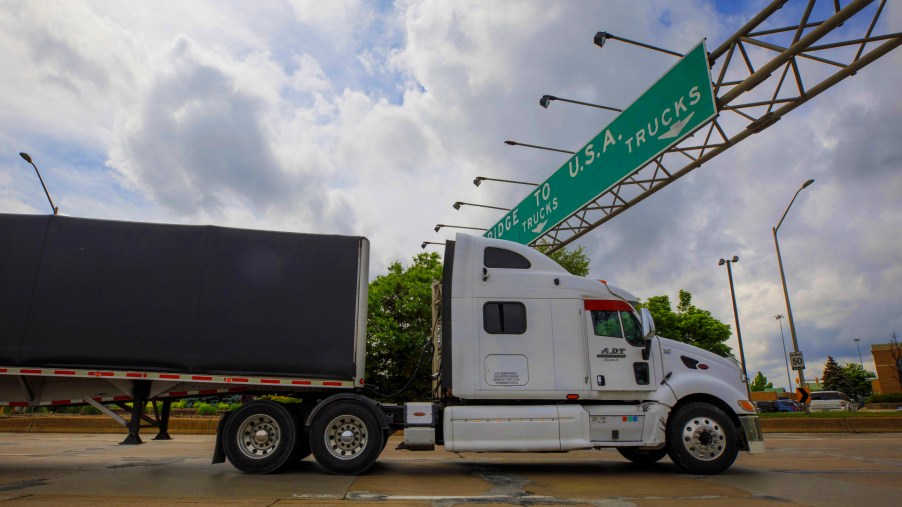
pixel 615 347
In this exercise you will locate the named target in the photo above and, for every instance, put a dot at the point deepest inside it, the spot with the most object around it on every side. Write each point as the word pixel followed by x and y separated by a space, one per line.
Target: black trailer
pixel 103 312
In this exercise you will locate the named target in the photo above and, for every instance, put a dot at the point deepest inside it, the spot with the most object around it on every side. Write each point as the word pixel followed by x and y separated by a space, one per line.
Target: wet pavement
pixel 797 469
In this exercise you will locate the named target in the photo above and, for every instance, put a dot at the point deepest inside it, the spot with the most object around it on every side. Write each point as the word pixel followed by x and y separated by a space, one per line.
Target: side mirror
pixel 648 324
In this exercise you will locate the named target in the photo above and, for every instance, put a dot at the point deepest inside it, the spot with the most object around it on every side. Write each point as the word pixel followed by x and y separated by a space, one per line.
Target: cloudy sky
pixel 372 118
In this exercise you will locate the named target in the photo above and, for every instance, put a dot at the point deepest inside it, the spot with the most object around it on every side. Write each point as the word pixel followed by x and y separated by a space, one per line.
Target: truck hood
pixel 701 354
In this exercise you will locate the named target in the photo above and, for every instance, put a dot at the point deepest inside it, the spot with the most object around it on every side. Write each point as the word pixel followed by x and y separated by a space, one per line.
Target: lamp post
pixel 439 226
pixel 458 204
pixel 515 143
pixel 479 179
pixel 745 372
pixel 545 101
pixel 423 246
pixel 785 355
pixel 28 159
pixel 856 340
pixel 602 37
pixel 792 326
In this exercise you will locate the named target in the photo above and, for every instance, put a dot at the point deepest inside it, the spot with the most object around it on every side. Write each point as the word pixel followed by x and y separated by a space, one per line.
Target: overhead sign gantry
pixel 680 102
pixel 625 163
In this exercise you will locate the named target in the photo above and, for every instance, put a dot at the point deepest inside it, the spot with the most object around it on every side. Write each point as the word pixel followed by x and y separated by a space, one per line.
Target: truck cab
pixel 536 359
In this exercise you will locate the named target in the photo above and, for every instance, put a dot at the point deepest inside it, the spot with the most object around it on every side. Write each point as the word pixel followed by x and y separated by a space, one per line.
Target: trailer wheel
pixel 346 438
pixel 261 437
pixel 642 456
pixel 702 439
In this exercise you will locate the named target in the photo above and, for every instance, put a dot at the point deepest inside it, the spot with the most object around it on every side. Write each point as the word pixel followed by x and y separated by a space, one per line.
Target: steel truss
pixel 800 70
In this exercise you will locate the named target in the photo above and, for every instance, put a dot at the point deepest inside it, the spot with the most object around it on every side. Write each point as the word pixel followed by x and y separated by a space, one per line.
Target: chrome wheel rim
pixel 259 436
pixel 346 437
pixel 704 438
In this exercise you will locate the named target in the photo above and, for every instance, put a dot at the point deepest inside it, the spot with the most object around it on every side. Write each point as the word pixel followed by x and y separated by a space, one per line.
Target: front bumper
pixel 751 430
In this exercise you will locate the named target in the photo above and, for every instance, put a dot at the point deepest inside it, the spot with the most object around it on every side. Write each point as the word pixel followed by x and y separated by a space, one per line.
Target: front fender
pixel 685 385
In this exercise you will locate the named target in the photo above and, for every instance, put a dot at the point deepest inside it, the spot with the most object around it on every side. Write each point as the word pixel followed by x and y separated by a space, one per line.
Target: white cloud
pixel 362 118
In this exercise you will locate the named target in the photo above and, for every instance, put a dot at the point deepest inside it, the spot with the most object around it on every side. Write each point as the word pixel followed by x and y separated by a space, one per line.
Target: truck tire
pixel 346 438
pixel 702 439
pixel 642 456
pixel 261 437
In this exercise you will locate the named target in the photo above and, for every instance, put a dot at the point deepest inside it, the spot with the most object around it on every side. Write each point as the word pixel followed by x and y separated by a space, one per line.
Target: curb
pixel 100 424
pixel 841 425
pixel 207 425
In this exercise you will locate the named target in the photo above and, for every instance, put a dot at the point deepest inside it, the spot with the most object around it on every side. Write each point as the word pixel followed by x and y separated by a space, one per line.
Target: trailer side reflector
pixel 572 396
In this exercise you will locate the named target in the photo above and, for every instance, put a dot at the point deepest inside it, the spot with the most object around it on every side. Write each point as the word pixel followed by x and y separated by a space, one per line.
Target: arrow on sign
pixel 804 394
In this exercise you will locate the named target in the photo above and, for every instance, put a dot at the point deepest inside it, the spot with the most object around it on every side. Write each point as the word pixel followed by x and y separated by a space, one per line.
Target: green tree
pixel 689 324
pixel 834 378
pixel 760 383
pixel 575 261
pixel 859 380
pixel 399 326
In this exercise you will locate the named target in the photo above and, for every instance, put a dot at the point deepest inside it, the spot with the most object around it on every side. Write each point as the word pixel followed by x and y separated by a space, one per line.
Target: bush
pixel 885 398
pixel 205 409
pixel 88 410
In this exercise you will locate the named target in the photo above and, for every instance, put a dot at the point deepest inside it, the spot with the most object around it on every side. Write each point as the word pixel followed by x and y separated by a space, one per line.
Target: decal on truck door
pixel 615 344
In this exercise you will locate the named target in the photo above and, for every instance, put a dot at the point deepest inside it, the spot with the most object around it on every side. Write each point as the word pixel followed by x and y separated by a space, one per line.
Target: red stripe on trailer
pixel 61 402
pixel 270 381
pixel 30 372
pixel 611 305
pixel 170 376
pixel 121 398
pixel 18 404
pixel 201 377
pixel 100 373
pixel 3 370
pixel 63 372
pixel 236 379
pixel 135 375
pixel 301 382
pixel 327 383
pixel 207 391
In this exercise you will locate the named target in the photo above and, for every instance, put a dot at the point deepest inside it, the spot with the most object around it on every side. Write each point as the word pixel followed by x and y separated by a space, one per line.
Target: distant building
pixel 889 368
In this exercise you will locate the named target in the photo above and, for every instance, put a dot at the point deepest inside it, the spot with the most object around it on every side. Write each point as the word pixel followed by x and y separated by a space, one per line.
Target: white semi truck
pixel 529 358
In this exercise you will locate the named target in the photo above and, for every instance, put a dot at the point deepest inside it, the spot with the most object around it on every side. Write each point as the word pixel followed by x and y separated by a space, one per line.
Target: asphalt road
pixel 797 469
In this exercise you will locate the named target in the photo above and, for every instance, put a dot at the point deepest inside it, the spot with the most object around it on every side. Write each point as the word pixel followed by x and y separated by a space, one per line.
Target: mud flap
pixel 218 451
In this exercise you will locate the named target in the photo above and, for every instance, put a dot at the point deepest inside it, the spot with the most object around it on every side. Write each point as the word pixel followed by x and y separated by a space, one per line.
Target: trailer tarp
pixel 120 295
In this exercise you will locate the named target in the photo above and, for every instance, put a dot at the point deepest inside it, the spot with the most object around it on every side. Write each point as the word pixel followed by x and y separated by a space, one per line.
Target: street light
pixel 545 101
pixel 602 37
pixel 856 340
pixel 736 317
pixel 458 204
pixel 479 179
pixel 423 246
pixel 439 226
pixel 515 143
pixel 792 326
pixel 785 355
pixel 28 159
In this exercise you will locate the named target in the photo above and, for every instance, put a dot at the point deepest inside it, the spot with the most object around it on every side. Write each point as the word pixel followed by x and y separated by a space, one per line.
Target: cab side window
pixel 617 324
pixel 606 323
pixel 504 318
pixel 500 258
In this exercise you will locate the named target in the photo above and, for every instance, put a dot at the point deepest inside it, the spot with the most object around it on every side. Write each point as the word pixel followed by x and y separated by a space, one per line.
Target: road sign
pixel 796 360
pixel 680 102
pixel 804 394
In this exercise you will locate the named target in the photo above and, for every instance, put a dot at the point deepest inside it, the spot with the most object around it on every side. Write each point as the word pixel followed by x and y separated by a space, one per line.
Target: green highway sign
pixel 680 102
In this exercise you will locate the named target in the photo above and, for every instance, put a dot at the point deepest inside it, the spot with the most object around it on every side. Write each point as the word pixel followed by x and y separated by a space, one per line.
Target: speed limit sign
pixel 796 360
